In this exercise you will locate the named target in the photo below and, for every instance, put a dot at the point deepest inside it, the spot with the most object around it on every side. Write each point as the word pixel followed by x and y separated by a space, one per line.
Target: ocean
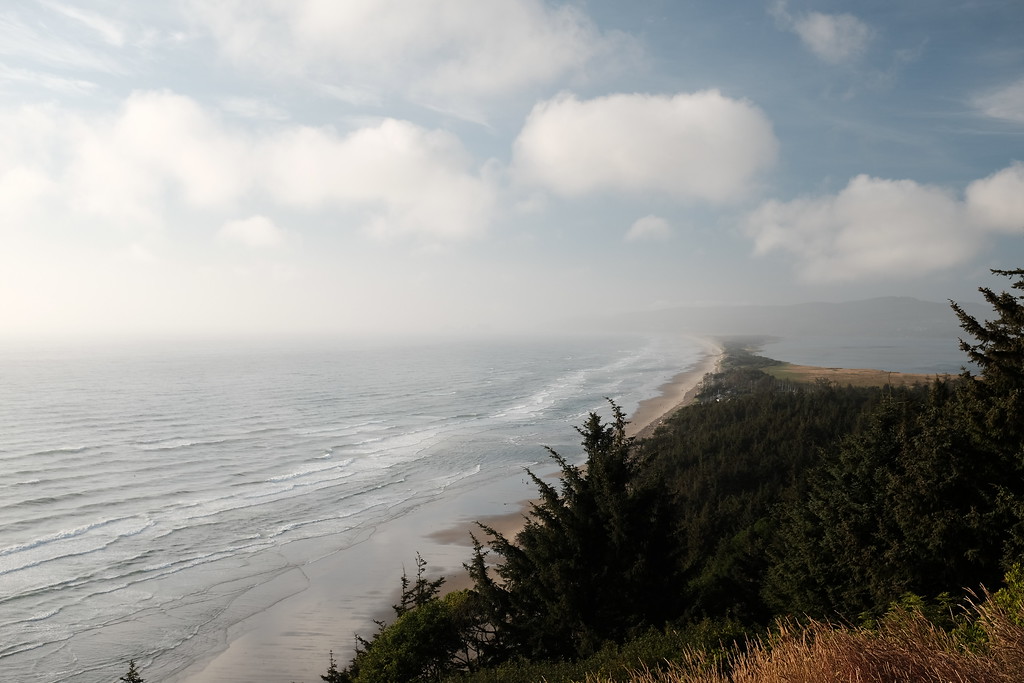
pixel 155 498
pixel 927 355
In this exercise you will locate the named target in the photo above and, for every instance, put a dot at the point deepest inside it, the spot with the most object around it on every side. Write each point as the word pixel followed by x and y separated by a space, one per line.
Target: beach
pixel 332 599
pixel 674 394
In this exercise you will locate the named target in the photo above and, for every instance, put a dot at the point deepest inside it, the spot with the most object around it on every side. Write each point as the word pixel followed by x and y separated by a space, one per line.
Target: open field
pixel 846 376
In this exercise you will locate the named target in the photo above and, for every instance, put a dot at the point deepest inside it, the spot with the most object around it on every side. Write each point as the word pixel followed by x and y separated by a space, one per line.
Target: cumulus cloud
pixel 161 153
pixel 158 147
pixel 432 49
pixel 258 232
pixel 702 145
pixel 997 202
pixel 1005 103
pixel 888 228
pixel 411 180
pixel 833 38
pixel 649 228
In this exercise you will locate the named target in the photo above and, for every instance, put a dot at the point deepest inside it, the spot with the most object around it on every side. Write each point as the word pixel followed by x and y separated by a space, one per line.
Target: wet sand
pixel 674 394
pixel 331 599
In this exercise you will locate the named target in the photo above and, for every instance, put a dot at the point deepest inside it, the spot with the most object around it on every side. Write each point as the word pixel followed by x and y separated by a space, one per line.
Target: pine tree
pixel 133 674
pixel 417 593
pixel 595 561
pixel 994 402
pixel 999 349
pixel 333 675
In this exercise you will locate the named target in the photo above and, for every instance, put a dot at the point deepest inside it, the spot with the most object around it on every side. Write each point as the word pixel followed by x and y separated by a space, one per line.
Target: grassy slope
pixel 846 377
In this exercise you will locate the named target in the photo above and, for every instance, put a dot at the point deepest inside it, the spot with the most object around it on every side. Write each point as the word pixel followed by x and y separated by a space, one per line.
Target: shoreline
pixel 678 392
pixel 291 638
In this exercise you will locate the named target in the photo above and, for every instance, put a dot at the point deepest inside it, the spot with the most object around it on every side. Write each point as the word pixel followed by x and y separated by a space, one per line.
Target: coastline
pixel 290 640
pixel 678 392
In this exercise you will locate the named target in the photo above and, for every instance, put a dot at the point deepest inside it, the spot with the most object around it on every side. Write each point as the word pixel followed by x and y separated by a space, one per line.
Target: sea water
pixel 927 355
pixel 153 498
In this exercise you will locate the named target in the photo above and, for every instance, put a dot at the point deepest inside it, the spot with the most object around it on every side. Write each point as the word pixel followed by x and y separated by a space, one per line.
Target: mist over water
pixel 151 499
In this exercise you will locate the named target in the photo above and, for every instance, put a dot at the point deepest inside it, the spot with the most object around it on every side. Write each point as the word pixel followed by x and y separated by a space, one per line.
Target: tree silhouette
pixel 133 674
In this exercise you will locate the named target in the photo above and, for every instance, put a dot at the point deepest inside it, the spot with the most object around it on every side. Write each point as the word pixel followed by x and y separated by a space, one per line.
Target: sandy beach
pixel 673 395
pixel 676 393
pixel 330 600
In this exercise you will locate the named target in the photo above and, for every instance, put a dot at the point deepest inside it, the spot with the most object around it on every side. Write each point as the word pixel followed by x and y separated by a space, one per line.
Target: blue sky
pixel 310 167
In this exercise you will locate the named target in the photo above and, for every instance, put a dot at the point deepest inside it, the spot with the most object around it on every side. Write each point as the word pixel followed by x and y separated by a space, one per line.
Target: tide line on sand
pixel 290 640
pixel 678 392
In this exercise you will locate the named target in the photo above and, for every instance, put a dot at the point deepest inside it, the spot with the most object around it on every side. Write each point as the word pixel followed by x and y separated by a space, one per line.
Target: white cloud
pixel 434 50
pixel 409 179
pixel 138 254
pixel 257 232
pixel 160 154
pixel 253 108
pixel 833 38
pixel 887 228
pixel 1006 103
pixel 110 31
pixel 997 202
pixel 57 84
pixel 693 146
pixel 158 149
pixel 20 40
pixel 649 228
pixel 22 192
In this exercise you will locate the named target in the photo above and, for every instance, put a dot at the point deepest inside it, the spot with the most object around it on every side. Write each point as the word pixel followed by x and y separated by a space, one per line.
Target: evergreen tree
pixel 903 505
pixel 431 637
pixel 595 562
pixel 999 347
pixel 929 497
pixel 419 592
pixel 333 675
pixel 133 674
pixel 994 401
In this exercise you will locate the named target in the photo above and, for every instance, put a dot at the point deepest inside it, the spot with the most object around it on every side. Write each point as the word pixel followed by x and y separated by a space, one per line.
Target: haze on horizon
pixel 285 168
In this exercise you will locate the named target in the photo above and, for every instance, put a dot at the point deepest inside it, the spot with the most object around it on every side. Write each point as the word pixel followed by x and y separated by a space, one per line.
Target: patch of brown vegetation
pixel 848 377
pixel 904 649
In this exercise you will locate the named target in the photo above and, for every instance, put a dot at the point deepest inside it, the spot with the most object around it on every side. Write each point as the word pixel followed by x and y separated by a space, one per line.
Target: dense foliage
pixel 765 499
pixel 606 533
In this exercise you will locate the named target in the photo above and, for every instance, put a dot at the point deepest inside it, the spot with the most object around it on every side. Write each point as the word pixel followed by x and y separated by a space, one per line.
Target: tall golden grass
pixel 904 648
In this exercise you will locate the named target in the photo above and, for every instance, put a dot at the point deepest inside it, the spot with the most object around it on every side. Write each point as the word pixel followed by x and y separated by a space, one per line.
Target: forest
pixel 771 531
pixel 769 524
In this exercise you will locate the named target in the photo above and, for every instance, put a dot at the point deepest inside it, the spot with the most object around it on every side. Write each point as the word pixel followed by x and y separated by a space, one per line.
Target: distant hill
pixel 893 316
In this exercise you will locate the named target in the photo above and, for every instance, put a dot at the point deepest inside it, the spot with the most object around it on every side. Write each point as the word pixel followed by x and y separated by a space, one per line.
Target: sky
pixel 288 168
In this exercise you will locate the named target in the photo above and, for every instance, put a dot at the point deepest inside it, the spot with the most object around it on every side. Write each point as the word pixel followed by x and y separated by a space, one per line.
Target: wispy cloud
pixel 443 53
pixel 1005 103
pixel 20 40
pixel 110 31
pixel 833 38
pixel 253 108
pixel 257 232
pixel 649 229
pixel 48 81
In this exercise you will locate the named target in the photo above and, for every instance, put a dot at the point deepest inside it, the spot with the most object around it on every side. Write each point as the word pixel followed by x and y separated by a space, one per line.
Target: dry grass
pixel 904 649
pixel 845 376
